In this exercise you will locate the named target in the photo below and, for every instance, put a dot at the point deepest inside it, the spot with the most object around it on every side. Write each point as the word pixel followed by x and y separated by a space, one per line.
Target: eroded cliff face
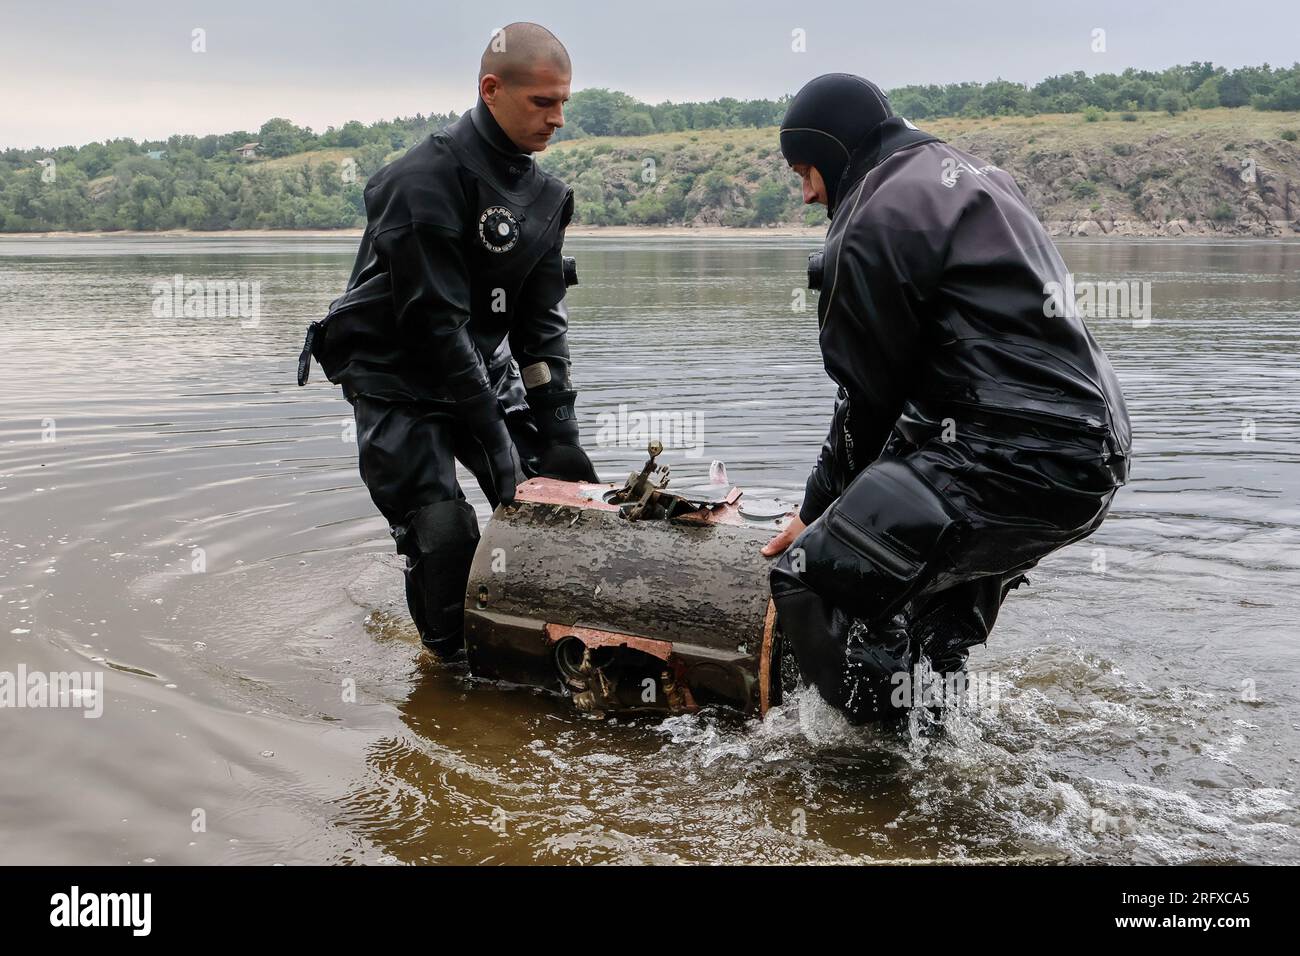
pixel 1166 182
pixel 1201 173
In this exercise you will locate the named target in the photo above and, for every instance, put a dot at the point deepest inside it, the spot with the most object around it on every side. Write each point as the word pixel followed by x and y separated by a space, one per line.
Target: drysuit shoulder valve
pixel 570 271
pixel 815 271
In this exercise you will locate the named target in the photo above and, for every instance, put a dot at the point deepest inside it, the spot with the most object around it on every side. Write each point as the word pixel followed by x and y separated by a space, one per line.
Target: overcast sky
pixel 76 71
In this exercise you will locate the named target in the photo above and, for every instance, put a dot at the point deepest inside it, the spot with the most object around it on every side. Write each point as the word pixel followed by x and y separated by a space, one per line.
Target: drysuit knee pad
pixel 443 526
pixel 875 547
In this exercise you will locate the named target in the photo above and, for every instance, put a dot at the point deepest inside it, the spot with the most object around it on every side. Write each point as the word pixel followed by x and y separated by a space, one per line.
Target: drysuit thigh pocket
pixel 877 544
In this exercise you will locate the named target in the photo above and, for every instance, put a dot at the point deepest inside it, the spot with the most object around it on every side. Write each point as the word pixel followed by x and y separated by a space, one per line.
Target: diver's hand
pixel 507 470
pixel 567 463
pixel 785 538
pixel 482 416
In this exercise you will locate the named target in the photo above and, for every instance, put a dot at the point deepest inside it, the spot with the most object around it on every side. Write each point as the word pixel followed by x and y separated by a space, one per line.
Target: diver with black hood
pixel 977 428
pixel 451 339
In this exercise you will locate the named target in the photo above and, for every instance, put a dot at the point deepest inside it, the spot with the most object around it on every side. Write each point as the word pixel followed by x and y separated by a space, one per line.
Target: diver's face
pixel 529 109
pixel 814 190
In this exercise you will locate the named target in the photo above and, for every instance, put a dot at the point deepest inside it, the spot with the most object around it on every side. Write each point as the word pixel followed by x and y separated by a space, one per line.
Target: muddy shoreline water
pixel 181 518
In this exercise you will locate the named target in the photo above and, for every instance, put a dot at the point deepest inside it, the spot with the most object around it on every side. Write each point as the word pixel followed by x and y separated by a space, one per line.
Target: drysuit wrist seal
pixel 556 416
pixel 557 421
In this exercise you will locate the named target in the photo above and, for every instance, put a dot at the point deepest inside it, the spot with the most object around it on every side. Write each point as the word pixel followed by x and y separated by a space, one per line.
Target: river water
pixel 178 516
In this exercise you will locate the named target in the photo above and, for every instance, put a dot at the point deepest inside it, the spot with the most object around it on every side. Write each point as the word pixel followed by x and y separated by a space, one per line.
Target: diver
pixel 450 341
pixel 976 429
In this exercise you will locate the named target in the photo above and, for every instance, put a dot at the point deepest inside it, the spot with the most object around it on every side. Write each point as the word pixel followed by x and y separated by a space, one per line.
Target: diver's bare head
pixel 524 79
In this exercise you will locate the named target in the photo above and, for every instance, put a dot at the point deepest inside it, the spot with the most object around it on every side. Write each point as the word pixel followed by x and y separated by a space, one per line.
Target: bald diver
pixel 450 341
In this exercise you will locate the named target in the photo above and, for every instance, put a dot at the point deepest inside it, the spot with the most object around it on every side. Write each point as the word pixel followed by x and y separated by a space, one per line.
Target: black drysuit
pixel 974 433
pixel 451 344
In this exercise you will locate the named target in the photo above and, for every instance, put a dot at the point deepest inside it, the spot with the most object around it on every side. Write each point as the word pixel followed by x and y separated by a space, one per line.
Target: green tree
pixel 647 209
pixel 1001 98
pixel 1233 90
pixel 1171 101
pixel 1286 96
pixel 594 110
pixel 716 185
pixel 352 134
pixel 279 137
pixel 632 123
pixel 771 202
pixel 707 116
pixel 1206 96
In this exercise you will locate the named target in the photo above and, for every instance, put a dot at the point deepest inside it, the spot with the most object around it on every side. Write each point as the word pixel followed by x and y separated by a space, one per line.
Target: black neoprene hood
pixel 827 120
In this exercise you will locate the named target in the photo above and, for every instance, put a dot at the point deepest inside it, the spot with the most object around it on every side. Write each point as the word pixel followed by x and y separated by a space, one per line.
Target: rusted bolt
pixel 482 596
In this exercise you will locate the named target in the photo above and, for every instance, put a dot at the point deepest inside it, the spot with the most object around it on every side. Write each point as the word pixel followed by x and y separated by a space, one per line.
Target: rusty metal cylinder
pixel 663 615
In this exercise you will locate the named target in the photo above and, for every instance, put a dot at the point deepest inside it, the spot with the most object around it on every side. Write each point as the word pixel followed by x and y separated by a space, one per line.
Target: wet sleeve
pixel 827 478
pixel 878 302
pixel 890 261
pixel 539 334
pixel 431 301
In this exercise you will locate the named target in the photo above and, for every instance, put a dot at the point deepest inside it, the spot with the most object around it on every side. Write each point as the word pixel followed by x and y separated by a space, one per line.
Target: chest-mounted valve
pixel 498 229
